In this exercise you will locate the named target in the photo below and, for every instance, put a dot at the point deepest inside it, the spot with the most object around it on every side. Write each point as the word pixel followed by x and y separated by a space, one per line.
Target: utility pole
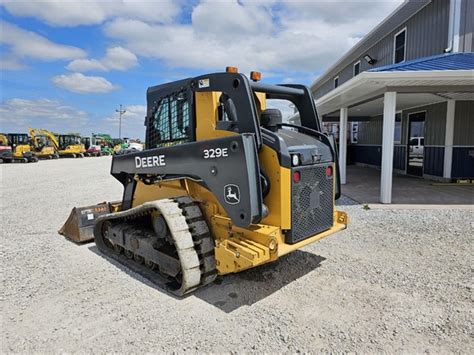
pixel 121 112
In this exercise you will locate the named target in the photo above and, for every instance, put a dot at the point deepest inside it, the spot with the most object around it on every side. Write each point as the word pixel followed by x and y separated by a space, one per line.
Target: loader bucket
pixel 79 227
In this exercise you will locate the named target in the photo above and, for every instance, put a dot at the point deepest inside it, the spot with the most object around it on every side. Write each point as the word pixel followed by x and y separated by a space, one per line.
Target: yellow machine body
pixel 70 145
pixel 19 143
pixel 117 148
pixel 3 140
pixel 73 149
pixel 187 215
pixel 237 248
pixel 43 143
pixel 45 152
pixel 20 150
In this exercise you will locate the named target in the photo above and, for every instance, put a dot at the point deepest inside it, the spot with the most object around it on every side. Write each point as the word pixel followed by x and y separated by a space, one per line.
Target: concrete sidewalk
pixel 363 186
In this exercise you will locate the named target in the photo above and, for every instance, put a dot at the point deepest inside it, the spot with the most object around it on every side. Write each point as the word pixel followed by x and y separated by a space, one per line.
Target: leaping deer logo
pixel 232 194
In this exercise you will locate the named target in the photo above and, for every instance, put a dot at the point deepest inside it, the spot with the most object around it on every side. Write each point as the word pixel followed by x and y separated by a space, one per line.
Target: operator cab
pixel 68 139
pixel 16 139
pixel 240 106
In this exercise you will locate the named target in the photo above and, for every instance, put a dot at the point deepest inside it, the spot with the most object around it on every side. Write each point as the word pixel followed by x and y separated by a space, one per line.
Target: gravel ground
pixel 395 281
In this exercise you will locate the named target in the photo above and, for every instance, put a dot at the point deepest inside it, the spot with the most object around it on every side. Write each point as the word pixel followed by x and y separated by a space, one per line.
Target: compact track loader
pixel 222 186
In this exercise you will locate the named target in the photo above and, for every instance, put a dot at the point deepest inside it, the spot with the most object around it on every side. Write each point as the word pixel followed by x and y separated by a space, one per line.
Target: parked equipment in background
pixel 101 144
pixel 223 185
pixel 43 144
pixel 119 144
pixel 126 146
pixel 132 147
pixel 20 151
pixel 5 149
pixel 86 142
pixel 70 145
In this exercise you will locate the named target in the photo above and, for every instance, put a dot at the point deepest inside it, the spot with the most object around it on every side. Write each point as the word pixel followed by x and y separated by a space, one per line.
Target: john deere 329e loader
pixel 222 186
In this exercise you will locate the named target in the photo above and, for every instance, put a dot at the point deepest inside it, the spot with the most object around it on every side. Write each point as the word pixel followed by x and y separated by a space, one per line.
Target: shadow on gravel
pixel 233 291
pixel 132 273
pixel 346 201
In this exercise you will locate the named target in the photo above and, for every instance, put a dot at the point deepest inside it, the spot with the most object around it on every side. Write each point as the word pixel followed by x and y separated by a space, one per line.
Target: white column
pixel 389 109
pixel 457 26
pixel 449 139
pixel 343 144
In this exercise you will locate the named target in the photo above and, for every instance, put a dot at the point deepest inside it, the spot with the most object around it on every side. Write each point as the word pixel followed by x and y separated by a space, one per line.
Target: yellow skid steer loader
pixel 222 186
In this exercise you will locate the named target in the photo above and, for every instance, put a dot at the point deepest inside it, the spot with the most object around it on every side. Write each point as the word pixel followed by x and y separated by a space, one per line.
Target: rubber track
pixel 203 241
pixel 191 237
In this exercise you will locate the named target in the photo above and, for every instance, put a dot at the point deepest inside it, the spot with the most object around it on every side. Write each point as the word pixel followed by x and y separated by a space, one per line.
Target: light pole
pixel 121 112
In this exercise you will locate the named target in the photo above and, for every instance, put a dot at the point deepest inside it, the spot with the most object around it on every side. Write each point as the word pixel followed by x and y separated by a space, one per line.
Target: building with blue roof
pixel 402 99
pixel 446 61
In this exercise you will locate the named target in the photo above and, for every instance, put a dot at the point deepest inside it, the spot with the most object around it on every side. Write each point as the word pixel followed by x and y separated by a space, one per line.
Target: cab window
pixel 171 121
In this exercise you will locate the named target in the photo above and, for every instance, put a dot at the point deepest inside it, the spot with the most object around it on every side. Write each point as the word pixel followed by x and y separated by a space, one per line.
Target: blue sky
pixel 66 66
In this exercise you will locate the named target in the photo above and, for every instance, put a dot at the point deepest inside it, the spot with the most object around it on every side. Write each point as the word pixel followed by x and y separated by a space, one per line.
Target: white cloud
pixel 116 58
pixel 230 19
pixel 285 37
pixel 40 113
pixel 29 44
pixel 71 13
pixel 83 65
pixel 343 11
pixel 80 83
pixel 119 58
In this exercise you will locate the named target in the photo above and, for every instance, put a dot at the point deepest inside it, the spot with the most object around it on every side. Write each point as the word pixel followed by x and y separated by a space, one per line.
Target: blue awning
pixel 452 61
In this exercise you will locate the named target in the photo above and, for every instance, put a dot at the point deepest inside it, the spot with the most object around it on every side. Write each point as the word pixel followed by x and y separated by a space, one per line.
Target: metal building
pixel 403 96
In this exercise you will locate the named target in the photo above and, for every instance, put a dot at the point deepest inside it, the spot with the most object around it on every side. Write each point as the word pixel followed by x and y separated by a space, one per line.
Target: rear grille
pixel 312 202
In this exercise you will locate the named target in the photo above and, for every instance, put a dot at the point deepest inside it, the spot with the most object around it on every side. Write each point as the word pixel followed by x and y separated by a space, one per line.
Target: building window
pixel 356 68
pixel 399 46
pixel 336 82
pixel 398 128
pixel 354 132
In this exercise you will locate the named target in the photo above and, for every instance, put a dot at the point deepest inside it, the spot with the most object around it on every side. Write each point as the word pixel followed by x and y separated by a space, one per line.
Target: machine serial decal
pixel 150 162
pixel 232 194
pixel 215 153
pixel 203 83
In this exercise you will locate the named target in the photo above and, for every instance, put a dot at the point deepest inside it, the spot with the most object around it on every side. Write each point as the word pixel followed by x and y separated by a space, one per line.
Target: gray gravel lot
pixel 396 280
